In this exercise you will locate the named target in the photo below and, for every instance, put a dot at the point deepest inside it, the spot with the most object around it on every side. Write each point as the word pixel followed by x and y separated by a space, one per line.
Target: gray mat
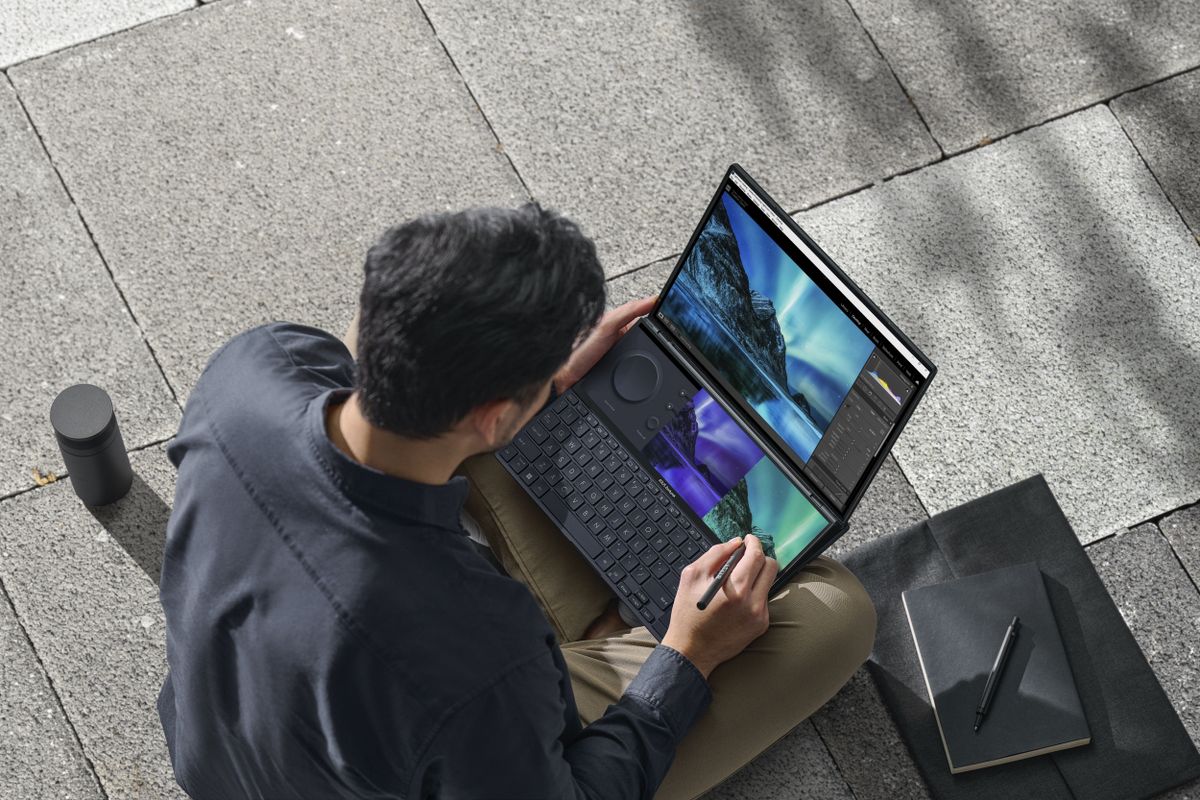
pixel 1139 747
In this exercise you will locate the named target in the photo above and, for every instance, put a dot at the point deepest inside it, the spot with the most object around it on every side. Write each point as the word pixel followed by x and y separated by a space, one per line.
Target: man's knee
pixel 833 608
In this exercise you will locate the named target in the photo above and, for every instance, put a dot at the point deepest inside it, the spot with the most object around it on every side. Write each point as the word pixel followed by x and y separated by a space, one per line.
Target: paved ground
pixel 1015 184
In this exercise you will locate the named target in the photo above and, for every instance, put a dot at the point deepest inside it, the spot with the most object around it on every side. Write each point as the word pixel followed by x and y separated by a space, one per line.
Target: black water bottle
pixel 85 425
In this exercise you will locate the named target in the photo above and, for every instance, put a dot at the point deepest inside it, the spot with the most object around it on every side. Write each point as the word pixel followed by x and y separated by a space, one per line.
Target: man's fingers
pixel 711 560
pixel 762 584
pixel 626 314
pixel 746 571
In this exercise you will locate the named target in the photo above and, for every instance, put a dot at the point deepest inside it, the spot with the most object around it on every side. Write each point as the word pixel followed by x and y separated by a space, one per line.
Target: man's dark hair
pixel 458 309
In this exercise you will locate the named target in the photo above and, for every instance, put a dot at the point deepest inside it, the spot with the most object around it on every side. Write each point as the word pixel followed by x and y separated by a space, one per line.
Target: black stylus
pixel 719 579
pixel 989 688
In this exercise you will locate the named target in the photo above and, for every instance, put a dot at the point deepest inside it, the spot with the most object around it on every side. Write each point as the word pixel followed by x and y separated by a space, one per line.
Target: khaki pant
pixel 822 628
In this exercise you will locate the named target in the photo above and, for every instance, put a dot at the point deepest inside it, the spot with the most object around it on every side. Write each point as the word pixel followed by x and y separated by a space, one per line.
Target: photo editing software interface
pixel 784 336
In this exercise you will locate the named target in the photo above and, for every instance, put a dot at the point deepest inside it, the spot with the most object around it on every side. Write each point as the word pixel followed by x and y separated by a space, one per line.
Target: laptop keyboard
pixel 613 509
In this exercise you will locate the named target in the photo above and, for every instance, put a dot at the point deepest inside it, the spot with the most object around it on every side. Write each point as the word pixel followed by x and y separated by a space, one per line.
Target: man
pixel 334 632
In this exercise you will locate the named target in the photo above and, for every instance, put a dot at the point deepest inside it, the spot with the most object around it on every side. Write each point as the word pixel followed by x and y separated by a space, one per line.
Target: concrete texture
pixel 1182 530
pixel 79 584
pixel 61 318
pixel 1055 287
pixel 235 162
pixel 1164 122
pixel 35 27
pixel 865 744
pixel 889 505
pixel 39 753
pixel 980 70
pixel 1161 606
pixel 626 116
pixel 640 283
pixel 797 767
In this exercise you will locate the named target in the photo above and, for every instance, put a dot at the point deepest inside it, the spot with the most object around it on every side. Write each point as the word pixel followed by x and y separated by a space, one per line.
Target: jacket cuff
pixel 673 686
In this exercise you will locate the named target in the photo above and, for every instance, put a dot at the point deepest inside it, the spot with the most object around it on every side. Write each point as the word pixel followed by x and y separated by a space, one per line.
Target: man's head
pixel 471 310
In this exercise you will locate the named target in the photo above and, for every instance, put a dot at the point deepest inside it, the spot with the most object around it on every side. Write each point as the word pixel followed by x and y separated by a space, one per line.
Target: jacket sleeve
pixel 508 740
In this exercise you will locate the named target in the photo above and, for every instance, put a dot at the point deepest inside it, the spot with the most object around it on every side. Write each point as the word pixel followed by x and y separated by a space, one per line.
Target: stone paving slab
pixel 866 745
pixel 38 751
pixel 1182 530
pixel 1164 122
pixel 797 767
pixel 235 162
pixel 36 27
pixel 979 70
pixel 626 115
pixel 79 583
pixel 1055 287
pixel 1161 606
pixel 61 318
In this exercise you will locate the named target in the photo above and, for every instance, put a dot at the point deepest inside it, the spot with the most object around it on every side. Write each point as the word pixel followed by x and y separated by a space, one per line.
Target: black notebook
pixel 958 627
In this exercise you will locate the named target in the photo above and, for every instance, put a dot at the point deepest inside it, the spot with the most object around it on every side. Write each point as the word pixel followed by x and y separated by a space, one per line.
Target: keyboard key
pixel 602 452
pixel 640 597
pixel 549 420
pixel 666 524
pixel 542 465
pixel 637 544
pixel 656 512
pixel 625 505
pixel 527 446
pixel 614 493
pixel 591 418
pixel 572 399
pixel 561 434
pixel 594 496
pixel 624 588
pixel 528 477
pixel 593 469
pixel 612 463
pixel 571 445
pixel 629 562
pixel 648 530
pixel 689 550
pixel 604 481
pixel 597 525
pixel 640 573
pixel 615 574
pixel 659 542
pixel 582 484
pixel 585 512
pixel 580 428
pixel 564 489
pixel 574 501
pixel 605 508
pixel 623 476
pixel 671 582
pixel 677 536
pixel 645 500
pixel 673 556
pixel 552 476
pixel 605 561
pixel 562 460
pixel 637 519
pixel 571 471
pixel 568 416
pixel 626 531
pixel 619 549
pixel 539 488
pixel 518 465
pixel 635 489
pixel 508 453
pixel 660 596
pixel 659 568
pixel 537 432
pixel 582 457
pixel 674 511
pixel 646 612
pixel 606 538
pixel 590 440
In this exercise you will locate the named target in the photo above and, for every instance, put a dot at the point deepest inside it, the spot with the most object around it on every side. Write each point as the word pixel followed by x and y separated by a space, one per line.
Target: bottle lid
pixel 82 416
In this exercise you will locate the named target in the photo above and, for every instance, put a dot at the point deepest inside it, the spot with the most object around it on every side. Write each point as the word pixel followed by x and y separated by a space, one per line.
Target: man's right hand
pixel 737 614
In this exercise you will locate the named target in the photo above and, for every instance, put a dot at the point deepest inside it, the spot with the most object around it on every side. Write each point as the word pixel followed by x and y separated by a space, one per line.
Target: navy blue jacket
pixel 332 633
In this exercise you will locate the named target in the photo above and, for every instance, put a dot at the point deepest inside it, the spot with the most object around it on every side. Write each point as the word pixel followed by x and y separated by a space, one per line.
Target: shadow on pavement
pixel 138 522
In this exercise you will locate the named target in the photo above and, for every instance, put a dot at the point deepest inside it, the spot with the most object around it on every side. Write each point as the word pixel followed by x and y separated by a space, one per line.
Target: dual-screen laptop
pixel 760 395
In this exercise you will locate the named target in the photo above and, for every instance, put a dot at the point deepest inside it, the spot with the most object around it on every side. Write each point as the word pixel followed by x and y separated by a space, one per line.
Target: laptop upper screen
pixel 792 347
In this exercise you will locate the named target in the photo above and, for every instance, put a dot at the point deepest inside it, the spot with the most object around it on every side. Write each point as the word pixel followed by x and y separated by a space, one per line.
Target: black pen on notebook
pixel 993 680
pixel 722 575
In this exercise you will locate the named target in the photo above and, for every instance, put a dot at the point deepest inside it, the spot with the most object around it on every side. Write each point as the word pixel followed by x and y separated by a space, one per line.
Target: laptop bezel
pixel 671 341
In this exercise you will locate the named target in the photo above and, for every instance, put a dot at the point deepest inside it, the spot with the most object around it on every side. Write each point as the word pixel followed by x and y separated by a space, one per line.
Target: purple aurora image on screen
pixel 702 453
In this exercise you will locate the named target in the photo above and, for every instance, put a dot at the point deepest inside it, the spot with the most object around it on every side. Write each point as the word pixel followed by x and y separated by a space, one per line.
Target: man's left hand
pixel 611 327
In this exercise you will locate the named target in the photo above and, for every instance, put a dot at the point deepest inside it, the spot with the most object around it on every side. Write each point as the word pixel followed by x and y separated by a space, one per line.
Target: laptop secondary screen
pixel 790 345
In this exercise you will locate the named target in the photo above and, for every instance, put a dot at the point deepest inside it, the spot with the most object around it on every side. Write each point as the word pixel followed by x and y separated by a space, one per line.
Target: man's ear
pixel 491 420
